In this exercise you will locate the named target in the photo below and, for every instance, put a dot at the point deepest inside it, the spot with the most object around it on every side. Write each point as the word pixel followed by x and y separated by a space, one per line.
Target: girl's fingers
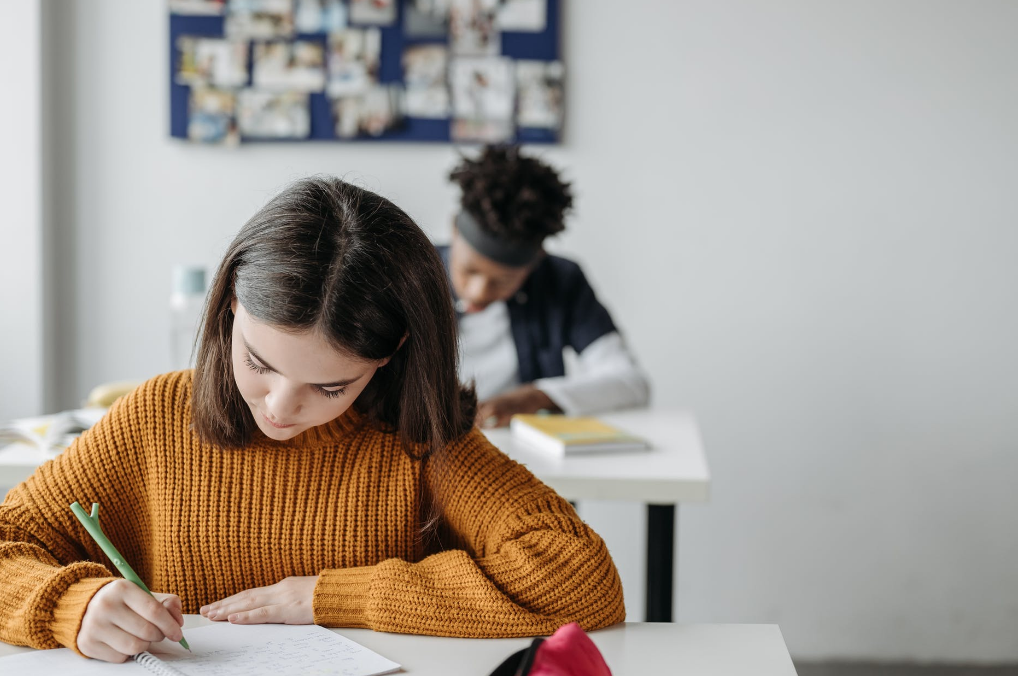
pixel 245 600
pixel 150 619
pixel 131 623
pixel 261 615
pixel 212 608
pixel 177 614
pixel 221 611
pixel 101 651
pixel 124 642
pixel 173 605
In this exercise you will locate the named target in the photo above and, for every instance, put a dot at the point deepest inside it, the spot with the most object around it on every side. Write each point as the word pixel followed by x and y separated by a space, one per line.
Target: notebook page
pixel 269 650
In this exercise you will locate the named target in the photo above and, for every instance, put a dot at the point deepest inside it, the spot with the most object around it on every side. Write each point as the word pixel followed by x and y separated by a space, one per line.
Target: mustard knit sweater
pixel 341 501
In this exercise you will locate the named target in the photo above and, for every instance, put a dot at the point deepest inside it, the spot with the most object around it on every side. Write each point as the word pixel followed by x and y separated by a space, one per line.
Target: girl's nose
pixel 282 404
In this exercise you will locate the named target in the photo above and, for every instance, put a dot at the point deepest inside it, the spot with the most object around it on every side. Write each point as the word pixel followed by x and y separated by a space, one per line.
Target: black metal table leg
pixel 660 562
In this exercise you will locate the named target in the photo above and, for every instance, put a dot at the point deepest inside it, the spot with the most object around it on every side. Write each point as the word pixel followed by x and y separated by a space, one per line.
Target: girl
pixel 319 465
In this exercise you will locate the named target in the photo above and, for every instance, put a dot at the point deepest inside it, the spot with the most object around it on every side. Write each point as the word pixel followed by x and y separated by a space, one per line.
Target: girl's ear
pixel 233 305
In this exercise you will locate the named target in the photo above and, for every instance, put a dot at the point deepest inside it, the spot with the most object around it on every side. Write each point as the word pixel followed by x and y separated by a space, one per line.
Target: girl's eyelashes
pixel 257 368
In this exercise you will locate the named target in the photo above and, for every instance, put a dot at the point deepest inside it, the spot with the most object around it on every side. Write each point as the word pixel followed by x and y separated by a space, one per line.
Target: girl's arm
pixel 48 572
pixel 518 562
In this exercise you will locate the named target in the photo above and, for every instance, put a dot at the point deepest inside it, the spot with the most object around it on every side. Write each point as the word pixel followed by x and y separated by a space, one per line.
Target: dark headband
pixel 507 252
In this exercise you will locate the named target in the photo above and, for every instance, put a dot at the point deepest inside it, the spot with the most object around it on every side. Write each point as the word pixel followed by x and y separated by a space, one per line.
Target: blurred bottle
pixel 186 304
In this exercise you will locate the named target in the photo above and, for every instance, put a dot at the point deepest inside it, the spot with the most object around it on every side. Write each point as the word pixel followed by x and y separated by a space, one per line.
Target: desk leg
pixel 660 562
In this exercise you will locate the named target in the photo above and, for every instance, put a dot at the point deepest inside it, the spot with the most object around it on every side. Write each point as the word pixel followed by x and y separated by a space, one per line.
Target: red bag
pixel 567 652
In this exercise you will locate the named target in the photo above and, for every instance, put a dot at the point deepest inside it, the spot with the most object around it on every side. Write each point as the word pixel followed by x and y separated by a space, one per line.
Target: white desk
pixel 672 472
pixel 632 648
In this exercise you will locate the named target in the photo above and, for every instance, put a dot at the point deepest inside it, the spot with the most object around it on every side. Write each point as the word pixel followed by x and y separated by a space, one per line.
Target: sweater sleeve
pixel 49 566
pixel 517 561
pixel 609 379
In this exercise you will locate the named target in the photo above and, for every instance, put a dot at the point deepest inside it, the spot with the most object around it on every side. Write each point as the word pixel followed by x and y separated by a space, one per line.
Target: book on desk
pixel 50 434
pixel 568 435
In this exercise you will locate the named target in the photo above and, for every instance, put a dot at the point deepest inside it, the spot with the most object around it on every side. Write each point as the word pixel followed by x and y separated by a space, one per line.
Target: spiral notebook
pixel 223 650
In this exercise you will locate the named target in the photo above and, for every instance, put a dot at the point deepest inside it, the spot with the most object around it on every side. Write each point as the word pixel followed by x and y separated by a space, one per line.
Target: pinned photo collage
pixel 256 81
pixel 466 77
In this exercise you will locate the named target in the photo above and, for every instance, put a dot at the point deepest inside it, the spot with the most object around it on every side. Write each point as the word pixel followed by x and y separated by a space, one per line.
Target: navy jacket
pixel 555 308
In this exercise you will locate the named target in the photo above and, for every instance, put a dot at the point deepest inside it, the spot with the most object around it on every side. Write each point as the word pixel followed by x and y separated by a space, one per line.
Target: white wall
pixel 21 221
pixel 803 214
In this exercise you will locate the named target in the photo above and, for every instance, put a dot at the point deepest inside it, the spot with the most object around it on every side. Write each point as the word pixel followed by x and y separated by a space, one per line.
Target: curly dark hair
pixel 512 196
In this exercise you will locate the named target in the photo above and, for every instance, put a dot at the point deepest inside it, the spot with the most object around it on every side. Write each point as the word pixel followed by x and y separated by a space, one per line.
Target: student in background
pixel 319 465
pixel 518 307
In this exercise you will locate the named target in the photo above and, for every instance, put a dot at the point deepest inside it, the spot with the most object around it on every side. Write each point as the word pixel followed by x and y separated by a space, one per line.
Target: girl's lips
pixel 277 426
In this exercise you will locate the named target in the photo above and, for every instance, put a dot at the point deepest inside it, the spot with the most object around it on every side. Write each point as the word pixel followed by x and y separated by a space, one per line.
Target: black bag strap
pixel 520 662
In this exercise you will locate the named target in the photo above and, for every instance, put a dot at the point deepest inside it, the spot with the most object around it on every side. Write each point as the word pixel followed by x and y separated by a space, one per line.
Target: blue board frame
pixel 543 46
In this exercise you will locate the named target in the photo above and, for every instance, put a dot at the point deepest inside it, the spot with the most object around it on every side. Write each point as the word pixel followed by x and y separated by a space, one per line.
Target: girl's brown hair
pixel 329 257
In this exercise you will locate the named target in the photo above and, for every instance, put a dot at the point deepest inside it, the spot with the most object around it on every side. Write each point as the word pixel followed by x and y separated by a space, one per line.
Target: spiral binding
pixel 156 665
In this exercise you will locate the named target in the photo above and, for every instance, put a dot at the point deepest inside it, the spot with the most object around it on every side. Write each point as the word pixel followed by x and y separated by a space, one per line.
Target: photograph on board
pixel 522 16
pixel 212 116
pixel 424 74
pixel 482 131
pixel 289 66
pixel 539 94
pixel 371 113
pixel 426 19
pixel 373 12
pixel 198 7
pixel 472 27
pixel 483 95
pixel 482 88
pixel 353 61
pixel 273 115
pixel 319 16
pixel 211 61
pixel 259 19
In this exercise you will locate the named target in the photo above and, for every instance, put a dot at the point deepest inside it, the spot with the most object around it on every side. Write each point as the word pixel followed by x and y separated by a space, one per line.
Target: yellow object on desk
pixel 563 434
pixel 104 395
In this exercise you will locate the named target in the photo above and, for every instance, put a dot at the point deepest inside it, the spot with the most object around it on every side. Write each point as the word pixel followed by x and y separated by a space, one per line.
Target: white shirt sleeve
pixel 608 379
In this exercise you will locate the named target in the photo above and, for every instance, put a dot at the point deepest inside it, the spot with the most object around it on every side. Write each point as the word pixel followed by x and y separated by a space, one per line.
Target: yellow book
pixel 562 434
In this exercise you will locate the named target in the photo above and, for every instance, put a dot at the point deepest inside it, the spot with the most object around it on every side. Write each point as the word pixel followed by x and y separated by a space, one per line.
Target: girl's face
pixel 293 381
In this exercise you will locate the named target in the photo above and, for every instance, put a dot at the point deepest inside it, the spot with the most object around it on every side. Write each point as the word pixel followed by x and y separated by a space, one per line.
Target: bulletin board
pixel 233 79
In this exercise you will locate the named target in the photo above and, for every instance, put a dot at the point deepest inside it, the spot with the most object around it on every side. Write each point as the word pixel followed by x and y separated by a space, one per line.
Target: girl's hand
pixel 122 620
pixel 286 602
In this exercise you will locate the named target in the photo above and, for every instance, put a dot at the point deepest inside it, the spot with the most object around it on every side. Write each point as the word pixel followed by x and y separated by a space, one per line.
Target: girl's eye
pixel 255 367
pixel 258 368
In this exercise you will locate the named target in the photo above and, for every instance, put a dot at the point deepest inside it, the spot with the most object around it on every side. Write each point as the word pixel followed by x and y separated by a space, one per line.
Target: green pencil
pixel 91 524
